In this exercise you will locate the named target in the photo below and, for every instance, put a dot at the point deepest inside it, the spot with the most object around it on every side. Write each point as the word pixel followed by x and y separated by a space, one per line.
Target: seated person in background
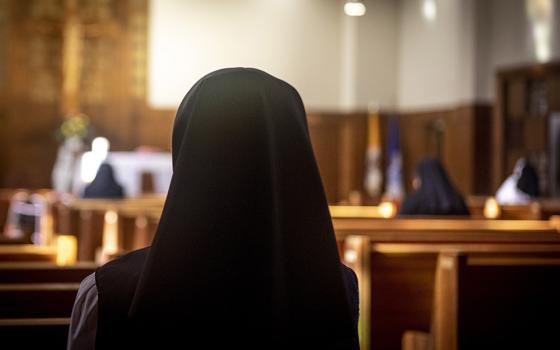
pixel 521 187
pixel 22 217
pixel 245 254
pixel 104 185
pixel 433 194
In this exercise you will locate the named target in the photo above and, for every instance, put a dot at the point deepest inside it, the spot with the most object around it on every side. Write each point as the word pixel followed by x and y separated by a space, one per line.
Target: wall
pixel 377 54
pixel 436 59
pixel 334 61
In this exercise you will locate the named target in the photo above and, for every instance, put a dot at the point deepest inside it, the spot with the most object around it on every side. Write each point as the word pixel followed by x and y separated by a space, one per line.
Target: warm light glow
pixel 110 233
pixel 353 211
pixel 387 210
pixel 92 160
pixel 350 256
pixel 90 164
pixel 541 17
pixel 100 146
pixel 47 228
pixel 352 8
pixel 429 10
pixel 491 208
pixel 67 250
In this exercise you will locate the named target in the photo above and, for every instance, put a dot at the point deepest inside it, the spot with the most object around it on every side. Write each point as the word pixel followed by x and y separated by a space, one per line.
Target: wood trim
pixel 418 248
pixel 17 322
pixel 46 266
pixel 39 287
pixel 446 314
pixel 362 267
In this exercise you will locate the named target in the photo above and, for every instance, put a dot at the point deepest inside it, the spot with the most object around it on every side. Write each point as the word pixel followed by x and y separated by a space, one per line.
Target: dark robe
pixel 104 185
pixel 245 255
pixel 436 195
pixel 529 181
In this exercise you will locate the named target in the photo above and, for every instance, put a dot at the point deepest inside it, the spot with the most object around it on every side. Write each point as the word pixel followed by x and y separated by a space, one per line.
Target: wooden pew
pixel 35 333
pixel 5 198
pixel 138 219
pixel 491 300
pixel 37 300
pixel 26 252
pixel 436 230
pixel 137 230
pixel 541 209
pixel 496 301
pixel 396 260
pixel 85 219
pixel 33 272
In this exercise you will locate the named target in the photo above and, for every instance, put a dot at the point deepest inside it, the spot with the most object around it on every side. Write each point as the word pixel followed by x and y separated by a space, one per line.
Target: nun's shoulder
pixel 350 277
pixel 125 268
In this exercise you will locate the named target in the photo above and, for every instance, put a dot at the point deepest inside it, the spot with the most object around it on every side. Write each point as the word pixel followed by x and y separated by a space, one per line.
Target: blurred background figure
pixel 23 222
pixel 433 194
pixel 104 185
pixel 521 187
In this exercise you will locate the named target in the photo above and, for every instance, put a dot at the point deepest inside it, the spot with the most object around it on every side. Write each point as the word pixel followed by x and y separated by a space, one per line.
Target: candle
pixel 387 210
pixel 67 250
pixel 110 233
pixel 491 208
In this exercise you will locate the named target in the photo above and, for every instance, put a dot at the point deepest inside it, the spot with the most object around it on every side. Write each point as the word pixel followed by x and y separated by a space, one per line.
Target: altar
pixel 129 167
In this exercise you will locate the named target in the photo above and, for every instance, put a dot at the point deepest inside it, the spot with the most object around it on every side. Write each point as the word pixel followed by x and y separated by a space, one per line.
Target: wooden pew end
pixel 415 340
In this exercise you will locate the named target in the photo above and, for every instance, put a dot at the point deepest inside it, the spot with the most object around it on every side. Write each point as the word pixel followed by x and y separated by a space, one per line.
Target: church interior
pixel 388 86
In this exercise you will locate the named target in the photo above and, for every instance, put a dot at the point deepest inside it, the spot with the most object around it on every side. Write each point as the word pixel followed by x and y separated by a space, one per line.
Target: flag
pixel 374 175
pixel 394 189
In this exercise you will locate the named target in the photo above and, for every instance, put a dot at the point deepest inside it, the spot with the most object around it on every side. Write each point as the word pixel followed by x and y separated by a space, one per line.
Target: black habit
pixel 245 253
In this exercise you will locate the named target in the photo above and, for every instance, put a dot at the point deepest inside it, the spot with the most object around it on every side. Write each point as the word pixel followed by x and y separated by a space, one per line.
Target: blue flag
pixel 394 189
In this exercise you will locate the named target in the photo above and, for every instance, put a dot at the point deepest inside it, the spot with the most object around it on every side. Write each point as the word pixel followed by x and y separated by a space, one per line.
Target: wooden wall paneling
pixel 553 84
pixel 463 147
pixel 458 153
pixel 324 138
pixel 4 48
pixel 498 135
pixel 31 147
pixel 105 78
pixel 351 157
pixel 109 65
pixel 516 98
pixel 339 143
pixel 33 80
pixel 483 156
pixel 154 128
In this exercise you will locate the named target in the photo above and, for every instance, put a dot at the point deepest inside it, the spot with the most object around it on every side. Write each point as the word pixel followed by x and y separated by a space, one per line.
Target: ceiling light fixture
pixel 354 8
pixel 429 10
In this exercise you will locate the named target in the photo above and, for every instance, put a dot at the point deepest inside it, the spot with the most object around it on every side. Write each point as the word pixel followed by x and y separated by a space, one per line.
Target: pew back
pixel 33 272
pixel 26 252
pixel 496 301
pixel 397 281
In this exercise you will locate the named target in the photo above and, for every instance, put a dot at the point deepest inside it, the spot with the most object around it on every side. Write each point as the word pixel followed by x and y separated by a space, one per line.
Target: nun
pixel 434 194
pixel 245 254
pixel 104 185
pixel 521 187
